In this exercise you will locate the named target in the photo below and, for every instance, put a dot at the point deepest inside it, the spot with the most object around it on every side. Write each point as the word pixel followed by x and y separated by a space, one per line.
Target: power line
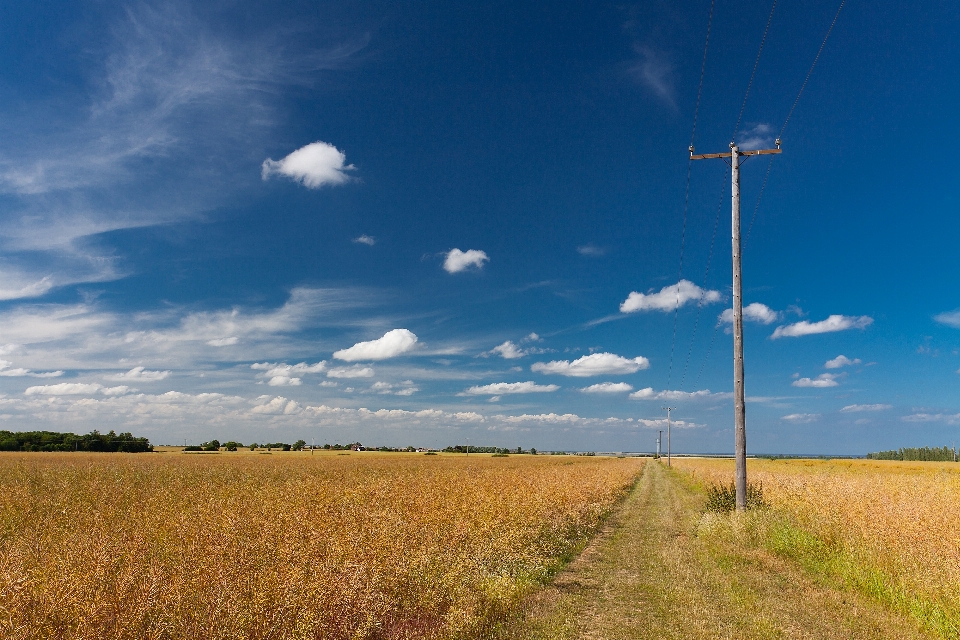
pixel 815 60
pixel 784 127
pixel 686 196
pixel 703 291
pixel 754 73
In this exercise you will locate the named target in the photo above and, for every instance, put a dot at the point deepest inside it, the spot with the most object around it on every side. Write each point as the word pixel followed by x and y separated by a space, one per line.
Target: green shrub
pixel 723 498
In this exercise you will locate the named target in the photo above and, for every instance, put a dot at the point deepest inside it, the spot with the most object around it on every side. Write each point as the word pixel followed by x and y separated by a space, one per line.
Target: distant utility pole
pixel 659 440
pixel 739 405
pixel 668 410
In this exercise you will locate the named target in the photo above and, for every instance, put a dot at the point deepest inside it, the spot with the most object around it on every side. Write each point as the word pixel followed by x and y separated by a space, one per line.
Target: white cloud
pixel 656 73
pixel 329 383
pixel 608 387
pixel 856 408
pixel 355 371
pixel 832 323
pixel 757 137
pixel 117 391
pixel 668 298
pixel 457 261
pixel 276 406
pixel 801 418
pixel 820 382
pixel 223 342
pixel 392 344
pixel 365 239
pixel 754 311
pixel 949 318
pixel 839 362
pixel 314 165
pixel 933 417
pixel 284 381
pixel 140 374
pixel 63 389
pixel 500 388
pixel 667 394
pixel 595 364
pixel 20 372
pixel 591 250
pixel 508 351
pixel 288 370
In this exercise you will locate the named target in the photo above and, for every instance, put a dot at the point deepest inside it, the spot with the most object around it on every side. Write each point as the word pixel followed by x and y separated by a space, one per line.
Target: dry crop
pixel 889 528
pixel 286 546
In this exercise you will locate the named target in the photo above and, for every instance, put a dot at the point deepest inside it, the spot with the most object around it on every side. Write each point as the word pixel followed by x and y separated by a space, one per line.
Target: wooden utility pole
pixel 668 410
pixel 739 404
pixel 660 439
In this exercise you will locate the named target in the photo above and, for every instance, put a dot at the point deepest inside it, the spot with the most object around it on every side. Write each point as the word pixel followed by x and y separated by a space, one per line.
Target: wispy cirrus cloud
pixel 858 408
pixel 704 394
pixel 831 324
pixel 949 318
pixel 801 418
pixel 655 72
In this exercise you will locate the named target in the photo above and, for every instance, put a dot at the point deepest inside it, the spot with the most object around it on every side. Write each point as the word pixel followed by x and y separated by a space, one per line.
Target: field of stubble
pixel 287 545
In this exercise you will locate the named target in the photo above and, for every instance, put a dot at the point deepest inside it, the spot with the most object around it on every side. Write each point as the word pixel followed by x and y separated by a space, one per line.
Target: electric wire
pixel 810 72
pixel 789 115
pixel 753 74
pixel 703 291
pixel 686 197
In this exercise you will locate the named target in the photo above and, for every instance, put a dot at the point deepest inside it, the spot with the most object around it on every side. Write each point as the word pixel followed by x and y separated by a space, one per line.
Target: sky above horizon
pixel 417 224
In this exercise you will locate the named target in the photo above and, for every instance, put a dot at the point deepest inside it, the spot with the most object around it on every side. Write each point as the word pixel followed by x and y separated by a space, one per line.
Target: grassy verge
pixel 831 563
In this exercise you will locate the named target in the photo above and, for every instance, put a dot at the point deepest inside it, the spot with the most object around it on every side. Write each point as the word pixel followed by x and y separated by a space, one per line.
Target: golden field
pixel 288 545
pixel 889 528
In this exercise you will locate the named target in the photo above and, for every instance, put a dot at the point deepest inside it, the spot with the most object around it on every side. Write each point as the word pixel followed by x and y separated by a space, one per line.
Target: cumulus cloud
pixel 500 388
pixel 832 323
pixel 754 312
pixel 314 165
pixel 140 374
pixel 839 362
pixel 457 261
pixel 595 364
pixel 608 387
pixel 667 394
pixel 801 418
pixel 668 298
pixel 365 239
pixel 857 408
pixel 64 389
pixel 116 391
pixel 284 381
pixel 287 375
pixel 223 342
pixel 392 344
pixel 508 351
pixel 820 382
pixel 356 371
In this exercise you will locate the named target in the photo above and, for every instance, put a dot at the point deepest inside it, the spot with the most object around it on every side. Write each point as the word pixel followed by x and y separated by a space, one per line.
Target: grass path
pixel 648 575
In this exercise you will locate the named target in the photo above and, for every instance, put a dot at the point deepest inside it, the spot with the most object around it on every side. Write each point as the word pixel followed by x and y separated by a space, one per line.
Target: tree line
pixel 925 454
pixel 111 442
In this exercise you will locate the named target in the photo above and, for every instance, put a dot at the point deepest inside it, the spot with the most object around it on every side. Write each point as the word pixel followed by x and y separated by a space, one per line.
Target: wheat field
pixel 287 545
pixel 891 528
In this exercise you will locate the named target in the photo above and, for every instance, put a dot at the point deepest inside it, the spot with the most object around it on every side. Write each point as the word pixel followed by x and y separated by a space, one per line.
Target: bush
pixel 193 447
pixel 723 498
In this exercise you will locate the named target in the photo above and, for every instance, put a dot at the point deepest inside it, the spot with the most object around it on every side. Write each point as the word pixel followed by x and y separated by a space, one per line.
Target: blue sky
pixel 419 224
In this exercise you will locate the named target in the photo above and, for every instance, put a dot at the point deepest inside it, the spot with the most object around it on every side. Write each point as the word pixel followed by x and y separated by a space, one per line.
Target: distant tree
pixel 519 450
pixel 299 445
pixel 533 451
pixel 254 446
pixel 213 445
